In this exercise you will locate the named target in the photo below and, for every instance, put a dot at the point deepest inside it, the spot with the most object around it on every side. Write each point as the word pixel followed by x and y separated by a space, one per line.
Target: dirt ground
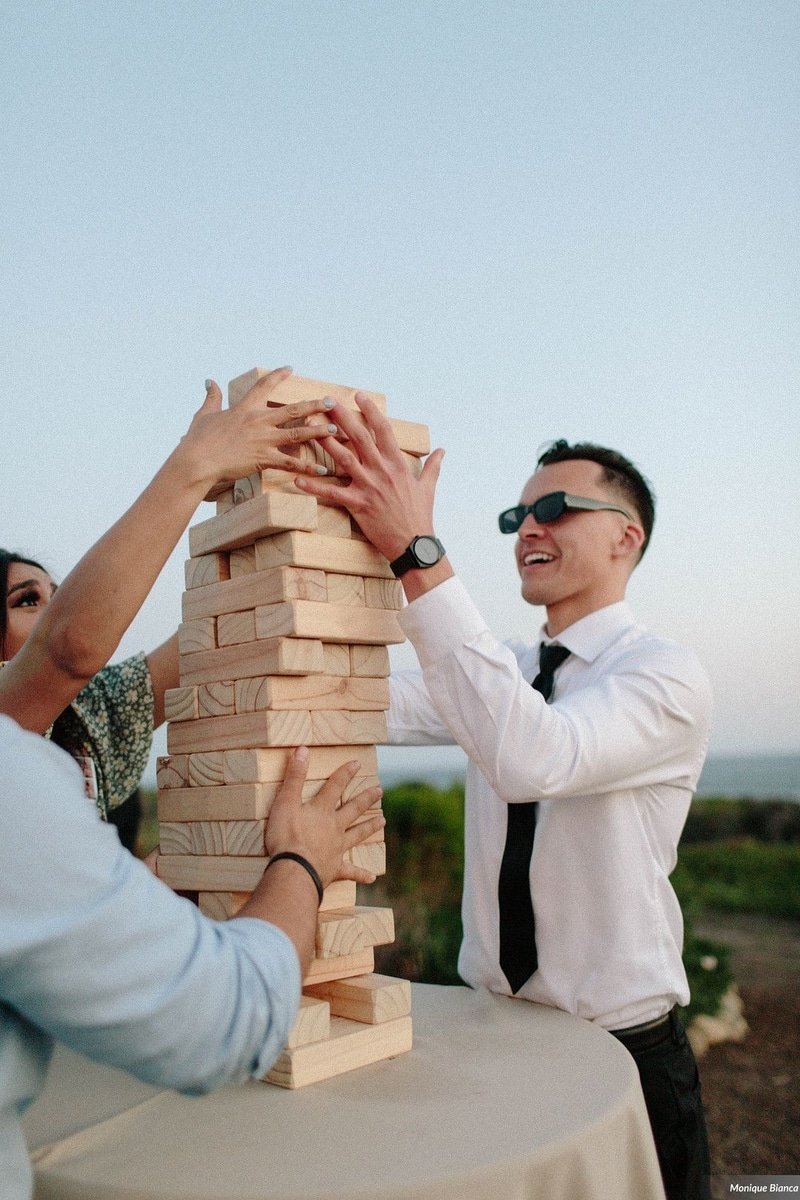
pixel 751 1089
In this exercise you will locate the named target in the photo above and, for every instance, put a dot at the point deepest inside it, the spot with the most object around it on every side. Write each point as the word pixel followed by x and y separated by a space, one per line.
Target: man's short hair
pixel 618 472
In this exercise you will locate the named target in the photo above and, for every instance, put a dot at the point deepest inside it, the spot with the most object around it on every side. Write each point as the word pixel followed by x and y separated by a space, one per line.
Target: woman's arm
pixel 82 625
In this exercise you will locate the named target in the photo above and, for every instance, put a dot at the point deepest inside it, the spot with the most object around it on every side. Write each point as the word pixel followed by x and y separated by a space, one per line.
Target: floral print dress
pixel 108 730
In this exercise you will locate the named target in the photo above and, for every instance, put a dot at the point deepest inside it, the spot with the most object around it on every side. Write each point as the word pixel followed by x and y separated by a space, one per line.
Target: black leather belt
pixel 639 1037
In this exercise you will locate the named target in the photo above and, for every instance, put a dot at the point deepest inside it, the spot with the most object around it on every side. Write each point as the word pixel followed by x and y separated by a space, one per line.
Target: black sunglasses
pixel 549 508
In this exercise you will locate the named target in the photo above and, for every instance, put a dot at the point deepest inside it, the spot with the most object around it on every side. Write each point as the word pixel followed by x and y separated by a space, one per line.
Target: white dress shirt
pixel 96 952
pixel 612 762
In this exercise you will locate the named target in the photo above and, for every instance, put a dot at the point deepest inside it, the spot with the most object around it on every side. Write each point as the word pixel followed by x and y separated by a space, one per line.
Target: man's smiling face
pixel 578 563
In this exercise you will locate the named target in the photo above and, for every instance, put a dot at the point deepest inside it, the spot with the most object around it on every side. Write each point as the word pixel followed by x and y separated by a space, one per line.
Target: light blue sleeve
pixel 99 954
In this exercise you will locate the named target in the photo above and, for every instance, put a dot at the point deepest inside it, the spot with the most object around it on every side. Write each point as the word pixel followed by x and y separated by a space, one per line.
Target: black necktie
pixel 518 958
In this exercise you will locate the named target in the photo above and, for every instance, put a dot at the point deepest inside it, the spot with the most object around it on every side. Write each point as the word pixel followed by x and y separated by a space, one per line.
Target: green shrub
pixel 740 876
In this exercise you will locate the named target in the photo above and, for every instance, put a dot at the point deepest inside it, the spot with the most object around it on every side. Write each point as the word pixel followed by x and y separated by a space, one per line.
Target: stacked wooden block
pixel 287 615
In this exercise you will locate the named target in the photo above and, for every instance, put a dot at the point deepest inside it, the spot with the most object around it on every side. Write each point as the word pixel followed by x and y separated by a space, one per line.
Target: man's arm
pixel 82 625
pixel 646 717
pixel 99 954
pixel 620 732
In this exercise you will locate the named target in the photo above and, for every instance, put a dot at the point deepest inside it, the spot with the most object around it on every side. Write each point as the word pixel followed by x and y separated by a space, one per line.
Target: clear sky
pixel 519 220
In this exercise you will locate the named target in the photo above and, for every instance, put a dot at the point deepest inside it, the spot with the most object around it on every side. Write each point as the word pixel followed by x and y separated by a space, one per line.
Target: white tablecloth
pixel 498 1098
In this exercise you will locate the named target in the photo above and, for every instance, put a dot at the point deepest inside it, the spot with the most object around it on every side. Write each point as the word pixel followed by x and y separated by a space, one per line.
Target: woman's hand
pixel 228 444
pixel 323 829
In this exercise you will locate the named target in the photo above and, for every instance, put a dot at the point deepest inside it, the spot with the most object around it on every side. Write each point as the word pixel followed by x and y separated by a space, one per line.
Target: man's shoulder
pixel 640 648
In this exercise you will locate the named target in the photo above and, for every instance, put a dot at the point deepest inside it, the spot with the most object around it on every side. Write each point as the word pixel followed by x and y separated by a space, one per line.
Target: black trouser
pixel 671 1087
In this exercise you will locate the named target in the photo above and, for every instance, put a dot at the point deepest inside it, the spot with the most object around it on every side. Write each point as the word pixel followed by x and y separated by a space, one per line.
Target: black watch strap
pixel 422 552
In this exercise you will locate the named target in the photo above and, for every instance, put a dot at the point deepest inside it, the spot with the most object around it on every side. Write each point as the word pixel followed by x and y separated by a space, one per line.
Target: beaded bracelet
pixel 304 863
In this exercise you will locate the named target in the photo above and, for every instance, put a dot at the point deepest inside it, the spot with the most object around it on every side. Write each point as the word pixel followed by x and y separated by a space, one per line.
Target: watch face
pixel 426 551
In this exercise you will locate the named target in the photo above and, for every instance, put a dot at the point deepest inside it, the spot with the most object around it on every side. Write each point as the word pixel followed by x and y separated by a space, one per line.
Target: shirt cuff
pixel 441 621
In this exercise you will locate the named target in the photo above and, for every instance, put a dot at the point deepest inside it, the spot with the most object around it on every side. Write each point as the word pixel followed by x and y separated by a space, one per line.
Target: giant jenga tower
pixel 287 614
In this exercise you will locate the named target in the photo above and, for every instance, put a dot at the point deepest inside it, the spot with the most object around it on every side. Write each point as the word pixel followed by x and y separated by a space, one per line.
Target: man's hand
pixel 389 504
pixel 323 829
pixel 227 444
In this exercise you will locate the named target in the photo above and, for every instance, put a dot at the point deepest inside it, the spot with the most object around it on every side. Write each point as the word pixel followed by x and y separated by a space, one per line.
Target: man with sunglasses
pixel 578 786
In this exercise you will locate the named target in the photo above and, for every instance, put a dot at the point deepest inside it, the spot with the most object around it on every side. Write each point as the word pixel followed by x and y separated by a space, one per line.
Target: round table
pixel 498 1098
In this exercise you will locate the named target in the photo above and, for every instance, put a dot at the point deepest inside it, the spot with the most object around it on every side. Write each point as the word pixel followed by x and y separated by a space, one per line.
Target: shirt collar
pixel 594 633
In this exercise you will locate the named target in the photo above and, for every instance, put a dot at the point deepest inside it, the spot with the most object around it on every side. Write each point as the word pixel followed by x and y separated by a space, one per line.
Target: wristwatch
pixel 423 551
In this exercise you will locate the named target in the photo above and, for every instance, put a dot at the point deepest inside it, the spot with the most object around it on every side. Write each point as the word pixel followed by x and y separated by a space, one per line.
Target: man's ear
pixel 630 542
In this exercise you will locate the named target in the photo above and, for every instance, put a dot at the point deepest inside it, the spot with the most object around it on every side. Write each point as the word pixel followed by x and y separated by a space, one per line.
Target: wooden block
pixel 332 727
pixel 372 857
pixel 224 499
pixel 368 998
pixel 243 837
pixel 172 771
pixel 351 1045
pixel 298 388
pixel 328 622
pixel 210 872
pixel 351 930
pixel 221 906
pixel 180 704
pixel 269 765
pixel 235 628
pixel 197 636
pixel 175 839
pixel 299 549
pixel 258 587
pixel 311 692
pixel 313 1022
pixel 347 589
pixel 275 728
pixel 237 838
pixel 339 894
pixel 231 802
pixel 384 593
pixel 412 438
pixel 333 522
pixel 323 969
pixel 369 662
pixel 216 699
pixel 258 518
pixel 205 770
pixel 208 568
pixel 336 658
pixel 242 561
pixel 276 656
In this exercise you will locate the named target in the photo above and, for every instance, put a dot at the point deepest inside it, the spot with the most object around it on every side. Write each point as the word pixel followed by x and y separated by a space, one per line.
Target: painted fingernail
pixel 209 384
pixel 321 470
pixel 332 429
pixel 328 403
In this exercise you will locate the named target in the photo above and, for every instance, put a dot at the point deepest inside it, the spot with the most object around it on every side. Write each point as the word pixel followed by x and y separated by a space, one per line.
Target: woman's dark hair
pixel 618 471
pixel 7 557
